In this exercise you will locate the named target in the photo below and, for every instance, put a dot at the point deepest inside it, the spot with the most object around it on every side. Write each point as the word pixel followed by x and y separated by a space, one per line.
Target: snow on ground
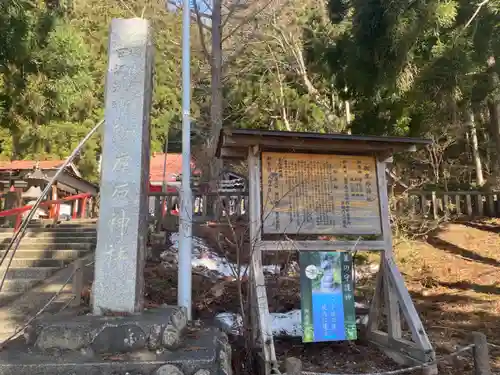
pixel 282 324
pixel 204 257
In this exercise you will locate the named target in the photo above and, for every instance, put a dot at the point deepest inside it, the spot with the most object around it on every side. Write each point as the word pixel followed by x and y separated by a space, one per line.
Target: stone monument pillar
pixel 151 342
pixel 123 214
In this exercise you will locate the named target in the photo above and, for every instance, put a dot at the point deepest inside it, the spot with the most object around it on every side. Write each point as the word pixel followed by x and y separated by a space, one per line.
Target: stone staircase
pixel 42 252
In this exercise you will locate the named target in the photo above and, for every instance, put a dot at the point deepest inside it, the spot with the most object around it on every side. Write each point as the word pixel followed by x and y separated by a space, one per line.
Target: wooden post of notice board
pixel 331 185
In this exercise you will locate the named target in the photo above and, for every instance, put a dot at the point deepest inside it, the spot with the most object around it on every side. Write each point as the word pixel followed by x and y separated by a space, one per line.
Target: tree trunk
pixel 494 123
pixel 16 146
pixel 475 148
pixel 347 114
pixel 216 105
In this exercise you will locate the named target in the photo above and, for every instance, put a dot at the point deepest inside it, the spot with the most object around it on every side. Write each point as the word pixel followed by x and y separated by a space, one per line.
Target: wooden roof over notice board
pixel 234 143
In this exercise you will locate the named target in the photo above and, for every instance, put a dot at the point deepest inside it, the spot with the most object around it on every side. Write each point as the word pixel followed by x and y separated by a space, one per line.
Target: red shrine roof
pixel 29 164
pixel 173 167
pixel 172 171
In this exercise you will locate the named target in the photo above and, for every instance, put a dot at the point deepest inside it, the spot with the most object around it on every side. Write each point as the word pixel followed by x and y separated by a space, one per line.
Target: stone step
pixel 16 307
pixel 72 228
pixel 46 254
pixel 51 240
pixel 39 273
pixel 48 246
pixel 51 235
pixel 22 285
pixel 62 226
pixel 11 323
pixel 66 222
pixel 8 297
pixel 50 263
pixel 19 285
pixel 205 351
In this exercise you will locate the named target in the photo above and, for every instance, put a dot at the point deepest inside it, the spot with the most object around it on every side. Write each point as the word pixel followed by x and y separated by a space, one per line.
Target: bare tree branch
pixel 232 9
pixel 282 102
pixel 246 19
pixel 195 16
pixel 202 34
pixel 207 4
pixel 479 6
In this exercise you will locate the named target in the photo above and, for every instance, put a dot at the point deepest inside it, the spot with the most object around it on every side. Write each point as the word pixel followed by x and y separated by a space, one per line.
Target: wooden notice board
pixel 319 194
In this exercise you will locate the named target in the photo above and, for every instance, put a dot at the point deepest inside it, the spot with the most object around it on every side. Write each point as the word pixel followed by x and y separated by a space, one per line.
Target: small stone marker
pixel 481 356
pixel 122 228
pixel 168 370
pixel 293 366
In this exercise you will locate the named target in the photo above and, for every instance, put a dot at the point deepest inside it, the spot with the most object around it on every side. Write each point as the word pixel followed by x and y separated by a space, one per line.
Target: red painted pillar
pixel 53 208
pixel 84 207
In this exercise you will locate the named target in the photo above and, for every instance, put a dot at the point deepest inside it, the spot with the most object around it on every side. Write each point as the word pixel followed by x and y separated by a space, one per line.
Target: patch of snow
pixel 287 324
pixel 204 257
pixel 282 324
pixel 230 323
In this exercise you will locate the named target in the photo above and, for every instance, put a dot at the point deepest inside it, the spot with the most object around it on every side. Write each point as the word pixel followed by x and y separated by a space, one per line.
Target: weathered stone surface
pixel 179 319
pixel 87 352
pixel 168 370
pixel 109 334
pixel 119 339
pixel 58 337
pixel 171 337
pixel 199 351
pixel 155 334
pixel 224 355
pixel 123 215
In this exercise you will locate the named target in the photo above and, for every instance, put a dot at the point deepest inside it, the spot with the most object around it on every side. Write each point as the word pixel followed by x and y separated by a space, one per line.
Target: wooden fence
pixel 439 204
pixel 429 204
pixel 206 206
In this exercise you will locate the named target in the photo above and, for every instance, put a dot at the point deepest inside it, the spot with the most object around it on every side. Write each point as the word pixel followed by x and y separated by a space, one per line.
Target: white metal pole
pixel 186 205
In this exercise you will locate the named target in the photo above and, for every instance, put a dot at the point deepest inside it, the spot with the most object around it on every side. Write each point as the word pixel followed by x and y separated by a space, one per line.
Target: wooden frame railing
pixel 438 204
pixel 56 204
pixel 212 206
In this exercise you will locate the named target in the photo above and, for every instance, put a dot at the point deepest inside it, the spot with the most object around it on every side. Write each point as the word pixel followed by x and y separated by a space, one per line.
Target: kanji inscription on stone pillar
pixel 123 213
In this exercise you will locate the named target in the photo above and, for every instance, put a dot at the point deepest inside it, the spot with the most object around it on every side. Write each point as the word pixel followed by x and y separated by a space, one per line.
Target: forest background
pixel 426 68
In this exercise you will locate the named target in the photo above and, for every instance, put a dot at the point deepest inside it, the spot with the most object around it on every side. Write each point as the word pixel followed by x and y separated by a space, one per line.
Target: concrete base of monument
pixel 156 342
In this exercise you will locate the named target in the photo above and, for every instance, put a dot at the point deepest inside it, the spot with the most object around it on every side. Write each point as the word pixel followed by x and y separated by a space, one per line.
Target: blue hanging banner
pixel 327 296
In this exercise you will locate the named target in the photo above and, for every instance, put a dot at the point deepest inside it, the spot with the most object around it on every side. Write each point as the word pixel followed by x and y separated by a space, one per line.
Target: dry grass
pixel 453 276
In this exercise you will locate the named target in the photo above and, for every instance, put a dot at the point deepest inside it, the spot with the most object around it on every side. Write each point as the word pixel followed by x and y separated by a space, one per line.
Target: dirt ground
pixel 453 277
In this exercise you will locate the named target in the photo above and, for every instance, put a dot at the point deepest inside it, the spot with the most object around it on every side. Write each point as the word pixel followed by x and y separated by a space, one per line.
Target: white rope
pixel 18 235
